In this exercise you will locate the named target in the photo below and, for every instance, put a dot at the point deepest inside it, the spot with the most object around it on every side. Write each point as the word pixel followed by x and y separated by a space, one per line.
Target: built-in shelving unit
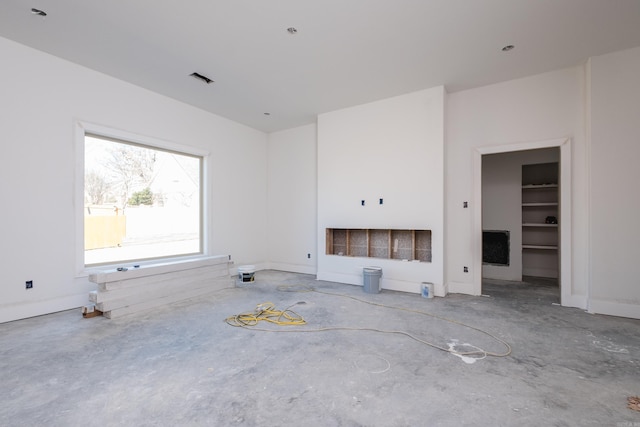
pixel 540 214
pixel 406 245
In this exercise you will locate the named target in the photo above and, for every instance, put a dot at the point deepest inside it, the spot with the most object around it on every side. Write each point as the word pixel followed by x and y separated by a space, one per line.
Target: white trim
pixel 385 283
pixel 613 308
pixel 565 229
pixel 293 268
pixel 109 132
pixel 81 128
pixel 32 309
pixel 578 301
pixel 257 266
pixel 587 132
pixel 349 279
pixel 462 288
pixel 113 275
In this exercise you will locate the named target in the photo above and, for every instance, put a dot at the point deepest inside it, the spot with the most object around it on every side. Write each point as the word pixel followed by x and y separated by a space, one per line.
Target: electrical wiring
pixel 424 313
pixel 267 312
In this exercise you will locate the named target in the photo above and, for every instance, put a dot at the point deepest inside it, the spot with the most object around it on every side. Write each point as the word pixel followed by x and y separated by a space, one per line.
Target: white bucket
pixel 426 290
pixel 245 273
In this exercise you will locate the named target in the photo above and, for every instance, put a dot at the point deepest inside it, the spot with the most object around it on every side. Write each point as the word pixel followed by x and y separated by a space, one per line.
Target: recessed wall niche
pixel 407 245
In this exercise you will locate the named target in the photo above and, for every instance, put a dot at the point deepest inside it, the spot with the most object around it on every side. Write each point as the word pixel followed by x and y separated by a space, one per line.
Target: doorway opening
pixel 520 196
pixel 539 230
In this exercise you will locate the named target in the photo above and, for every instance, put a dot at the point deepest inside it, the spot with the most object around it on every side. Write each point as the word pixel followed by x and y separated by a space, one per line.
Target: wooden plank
pixel 94 313
pixel 161 282
pixel 150 270
pixel 163 293
pixel 214 271
pixel 368 242
pixel 155 303
pixel 128 282
pixel 413 244
pixel 90 311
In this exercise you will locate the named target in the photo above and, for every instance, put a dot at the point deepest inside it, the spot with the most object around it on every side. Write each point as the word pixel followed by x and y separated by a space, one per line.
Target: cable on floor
pixel 267 312
pixel 305 288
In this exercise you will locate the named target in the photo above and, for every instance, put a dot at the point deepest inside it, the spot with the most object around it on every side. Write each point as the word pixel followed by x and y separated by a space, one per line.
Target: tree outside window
pixel 140 202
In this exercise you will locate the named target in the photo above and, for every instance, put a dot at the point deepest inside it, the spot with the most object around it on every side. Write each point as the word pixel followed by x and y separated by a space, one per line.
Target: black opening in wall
pixel 495 247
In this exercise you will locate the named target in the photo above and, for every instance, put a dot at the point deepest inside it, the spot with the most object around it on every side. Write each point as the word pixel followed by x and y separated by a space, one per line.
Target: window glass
pixel 140 202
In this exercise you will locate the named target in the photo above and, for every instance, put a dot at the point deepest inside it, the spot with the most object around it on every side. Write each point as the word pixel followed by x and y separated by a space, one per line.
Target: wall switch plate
pixel 28 284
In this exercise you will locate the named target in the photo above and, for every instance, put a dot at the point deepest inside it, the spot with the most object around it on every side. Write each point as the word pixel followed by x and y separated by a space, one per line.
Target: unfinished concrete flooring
pixel 184 366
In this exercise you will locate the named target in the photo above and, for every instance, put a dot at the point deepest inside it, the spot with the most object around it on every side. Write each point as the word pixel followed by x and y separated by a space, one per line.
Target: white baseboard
pixel 258 266
pixel 461 288
pixel 349 279
pixel 23 311
pixel 613 308
pixel 575 301
pixel 293 268
pixel 385 283
pixel 540 272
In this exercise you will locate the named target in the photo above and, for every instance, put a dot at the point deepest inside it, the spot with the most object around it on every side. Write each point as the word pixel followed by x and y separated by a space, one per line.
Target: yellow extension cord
pixel 268 313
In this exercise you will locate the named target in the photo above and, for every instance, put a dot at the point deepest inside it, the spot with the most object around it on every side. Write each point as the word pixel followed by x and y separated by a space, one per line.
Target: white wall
pixel 615 177
pixel 502 203
pixel 42 97
pixel 292 197
pixel 390 149
pixel 537 108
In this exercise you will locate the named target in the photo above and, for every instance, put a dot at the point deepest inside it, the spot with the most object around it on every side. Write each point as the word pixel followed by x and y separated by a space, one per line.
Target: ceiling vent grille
pixel 199 76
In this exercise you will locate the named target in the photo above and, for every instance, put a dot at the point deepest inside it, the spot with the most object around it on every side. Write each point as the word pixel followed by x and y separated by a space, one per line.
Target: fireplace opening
pixel 495 247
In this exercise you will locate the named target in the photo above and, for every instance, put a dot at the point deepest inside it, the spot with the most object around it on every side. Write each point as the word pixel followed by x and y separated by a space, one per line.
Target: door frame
pixel 564 243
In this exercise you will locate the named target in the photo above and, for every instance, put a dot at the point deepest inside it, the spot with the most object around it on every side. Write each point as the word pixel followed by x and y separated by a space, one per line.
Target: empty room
pixel 323 213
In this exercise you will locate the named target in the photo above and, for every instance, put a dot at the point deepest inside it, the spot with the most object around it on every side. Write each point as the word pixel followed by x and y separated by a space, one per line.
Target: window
pixel 140 201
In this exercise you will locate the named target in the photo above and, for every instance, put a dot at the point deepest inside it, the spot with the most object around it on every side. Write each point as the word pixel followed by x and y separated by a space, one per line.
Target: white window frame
pixel 83 128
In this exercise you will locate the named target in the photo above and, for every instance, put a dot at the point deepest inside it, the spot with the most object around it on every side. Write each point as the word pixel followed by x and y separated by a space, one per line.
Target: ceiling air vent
pixel 199 76
pixel 38 12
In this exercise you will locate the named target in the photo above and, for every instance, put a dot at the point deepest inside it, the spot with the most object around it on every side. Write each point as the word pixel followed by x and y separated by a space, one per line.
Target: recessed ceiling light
pixel 38 12
pixel 292 30
pixel 508 47
pixel 199 76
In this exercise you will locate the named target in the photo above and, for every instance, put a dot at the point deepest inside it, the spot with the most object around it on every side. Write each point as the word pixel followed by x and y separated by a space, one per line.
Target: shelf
pixel 539 204
pixel 537 186
pixel 543 247
pixel 540 207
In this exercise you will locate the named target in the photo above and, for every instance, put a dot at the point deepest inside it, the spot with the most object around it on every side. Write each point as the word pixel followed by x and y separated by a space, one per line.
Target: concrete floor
pixel 184 366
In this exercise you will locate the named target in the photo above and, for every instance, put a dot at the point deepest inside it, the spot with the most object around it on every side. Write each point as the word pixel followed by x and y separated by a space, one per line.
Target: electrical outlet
pixel 28 284
pixel 381 201
pixel 362 202
pixel 466 269
pixel 309 256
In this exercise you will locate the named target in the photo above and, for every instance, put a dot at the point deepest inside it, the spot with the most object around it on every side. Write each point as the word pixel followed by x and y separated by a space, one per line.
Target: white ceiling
pixel 346 52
